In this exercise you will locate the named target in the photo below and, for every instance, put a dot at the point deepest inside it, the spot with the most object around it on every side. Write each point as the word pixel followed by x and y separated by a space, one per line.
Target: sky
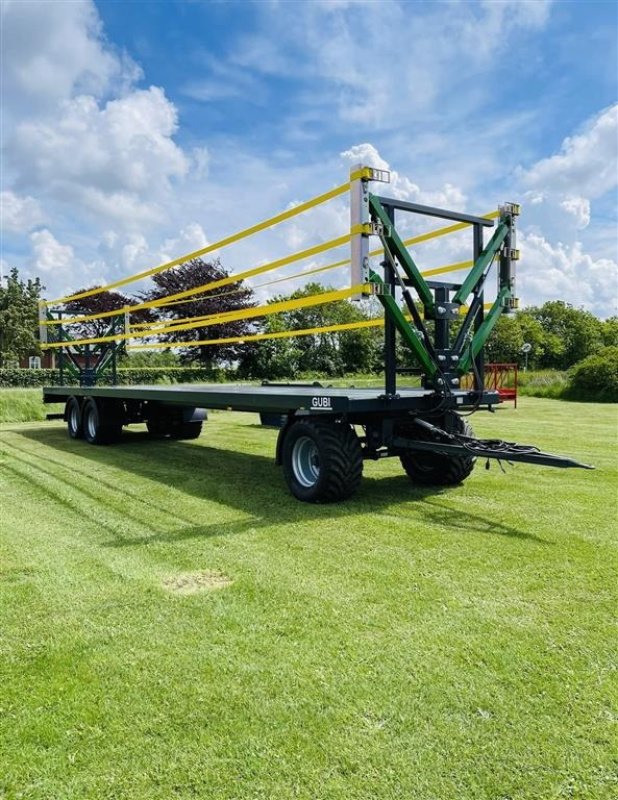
pixel 135 132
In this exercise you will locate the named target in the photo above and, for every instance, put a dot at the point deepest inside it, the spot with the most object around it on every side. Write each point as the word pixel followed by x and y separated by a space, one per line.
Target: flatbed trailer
pixel 326 433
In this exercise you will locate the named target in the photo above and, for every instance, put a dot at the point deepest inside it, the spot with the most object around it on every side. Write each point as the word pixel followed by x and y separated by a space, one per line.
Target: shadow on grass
pixel 249 483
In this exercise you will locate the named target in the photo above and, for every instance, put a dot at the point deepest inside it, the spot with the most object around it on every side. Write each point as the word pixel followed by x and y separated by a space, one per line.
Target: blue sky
pixel 134 131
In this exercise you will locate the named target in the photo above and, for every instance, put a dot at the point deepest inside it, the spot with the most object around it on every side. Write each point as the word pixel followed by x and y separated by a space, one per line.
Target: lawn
pixel 174 625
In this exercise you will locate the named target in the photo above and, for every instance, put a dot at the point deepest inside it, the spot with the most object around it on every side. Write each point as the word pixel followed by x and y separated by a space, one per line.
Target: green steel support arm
pixel 105 351
pixel 481 264
pixel 399 250
pixel 403 326
pixel 482 334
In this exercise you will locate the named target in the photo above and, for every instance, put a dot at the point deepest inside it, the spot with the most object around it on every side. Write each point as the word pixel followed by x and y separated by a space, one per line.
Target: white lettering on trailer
pixel 320 402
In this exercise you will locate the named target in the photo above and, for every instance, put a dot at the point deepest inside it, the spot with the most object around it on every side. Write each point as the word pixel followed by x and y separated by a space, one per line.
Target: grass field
pixel 174 625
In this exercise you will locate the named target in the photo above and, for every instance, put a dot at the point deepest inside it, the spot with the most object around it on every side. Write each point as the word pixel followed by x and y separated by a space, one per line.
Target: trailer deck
pixel 276 398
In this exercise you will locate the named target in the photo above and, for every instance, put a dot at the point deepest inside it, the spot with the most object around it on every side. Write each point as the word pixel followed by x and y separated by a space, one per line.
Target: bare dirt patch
pixel 193 582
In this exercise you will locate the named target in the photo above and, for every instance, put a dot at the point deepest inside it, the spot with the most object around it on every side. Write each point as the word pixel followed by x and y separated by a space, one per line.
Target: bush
pixel 15 377
pixel 596 377
pixel 12 378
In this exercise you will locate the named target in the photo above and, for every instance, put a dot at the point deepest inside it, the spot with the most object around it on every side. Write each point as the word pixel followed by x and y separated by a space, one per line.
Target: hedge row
pixel 596 376
pixel 128 376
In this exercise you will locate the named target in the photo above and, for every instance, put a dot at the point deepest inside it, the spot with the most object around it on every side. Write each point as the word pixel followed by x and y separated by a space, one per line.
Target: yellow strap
pixel 427 273
pixel 281 262
pixel 236 237
pixel 274 265
pixel 347 326
pixel 364 172
pixel 246 313
pixel 139 325
pixel 259 286
pixel 219 319
pixel 379 251
pixel 258 337
pixel 447 268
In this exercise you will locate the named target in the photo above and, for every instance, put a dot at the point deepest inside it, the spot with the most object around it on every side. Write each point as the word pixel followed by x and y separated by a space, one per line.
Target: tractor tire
pixel 322 461
pixel 102 424
pixel 158 427
pixel 435 469
pixel 73 417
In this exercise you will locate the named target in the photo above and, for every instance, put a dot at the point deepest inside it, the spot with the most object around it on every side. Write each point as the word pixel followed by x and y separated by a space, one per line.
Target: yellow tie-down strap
pixel 260 337
pixel 426 273
pixel 231 292
pixel 220 319
pixel 407 242
pixel 228 240
pixel 207 287
pixel 180 297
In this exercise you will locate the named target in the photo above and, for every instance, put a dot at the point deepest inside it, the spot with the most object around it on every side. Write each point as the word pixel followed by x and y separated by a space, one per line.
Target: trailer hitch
pixel 457 444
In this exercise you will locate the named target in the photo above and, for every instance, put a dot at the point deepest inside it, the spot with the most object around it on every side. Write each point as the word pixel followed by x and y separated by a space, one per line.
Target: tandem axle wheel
pixel 322 460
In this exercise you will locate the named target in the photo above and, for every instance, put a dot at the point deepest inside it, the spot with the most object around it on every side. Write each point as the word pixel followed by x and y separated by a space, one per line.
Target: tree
pixel 97 304
pixel 534 335
pixel 571 334
pixel 334 353
pixel 505 342
pixel 609 332
pixel 233 297
pixel 510 334
pixel 19 318
pixel 597 376
pixel 272 359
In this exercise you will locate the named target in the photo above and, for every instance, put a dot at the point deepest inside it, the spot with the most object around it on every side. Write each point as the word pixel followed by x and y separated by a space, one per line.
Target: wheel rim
pixel 91 424
pixel 74 419
pixel 306 461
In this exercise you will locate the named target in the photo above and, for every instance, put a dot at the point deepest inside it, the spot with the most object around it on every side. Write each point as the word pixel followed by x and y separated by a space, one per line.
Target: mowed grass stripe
pixel 457 644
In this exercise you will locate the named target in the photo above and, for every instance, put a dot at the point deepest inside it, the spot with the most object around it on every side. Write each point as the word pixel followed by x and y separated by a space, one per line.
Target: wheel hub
pixel 91 425
pixel 306 461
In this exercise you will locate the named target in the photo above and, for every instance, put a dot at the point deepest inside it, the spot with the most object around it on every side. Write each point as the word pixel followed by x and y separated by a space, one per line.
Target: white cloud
pixel 587 165
pixel 579 208
pixel 19 214
pixel 400 186
pixel 493 18
pixel 567 196
pixel 95 159
pixel 108 160
pixel 333 49
pixel 59 265
pixel 53 50
pixel 565 272
pixel 78 136
pixel 191 238
pixel 49 255
pixel 365 154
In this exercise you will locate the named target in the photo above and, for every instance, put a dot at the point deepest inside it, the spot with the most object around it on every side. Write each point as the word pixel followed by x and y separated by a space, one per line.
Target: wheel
pixel 101 422
pixel 73 416
pixel 185 430
pixel 158 427
pixel 322 461
pixel 435 469
pixel 175 423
